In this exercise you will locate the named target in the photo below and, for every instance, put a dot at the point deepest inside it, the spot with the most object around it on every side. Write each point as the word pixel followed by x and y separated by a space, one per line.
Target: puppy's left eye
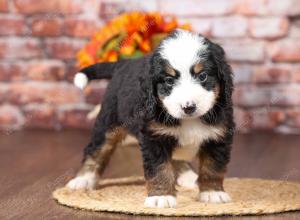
pixel 203 76
pixel 169 81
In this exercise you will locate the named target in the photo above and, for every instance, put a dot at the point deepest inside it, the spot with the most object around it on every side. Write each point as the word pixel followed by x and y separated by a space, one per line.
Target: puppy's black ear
pixel 225 74
pixel 148 90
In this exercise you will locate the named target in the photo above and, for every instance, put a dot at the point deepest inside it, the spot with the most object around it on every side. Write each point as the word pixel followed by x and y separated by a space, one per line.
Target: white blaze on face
pixel 182 52
pixel 187 90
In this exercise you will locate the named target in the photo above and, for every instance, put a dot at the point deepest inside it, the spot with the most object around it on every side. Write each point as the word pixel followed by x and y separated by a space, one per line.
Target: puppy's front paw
pixel 214 197
pixel 86 181
pixel 160 202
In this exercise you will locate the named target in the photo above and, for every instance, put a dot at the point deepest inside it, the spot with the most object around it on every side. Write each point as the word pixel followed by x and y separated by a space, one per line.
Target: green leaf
pixel 157 38
pixel 136 54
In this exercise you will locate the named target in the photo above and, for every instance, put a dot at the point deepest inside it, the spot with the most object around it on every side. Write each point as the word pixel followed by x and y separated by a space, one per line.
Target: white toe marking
pixel 80 80
pixel 187 179
pixel 160 202
pixel 86 181
pixel 214 197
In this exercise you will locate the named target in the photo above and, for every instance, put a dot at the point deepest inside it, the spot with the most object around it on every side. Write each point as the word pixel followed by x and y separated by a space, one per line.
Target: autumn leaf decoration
pixel 130 35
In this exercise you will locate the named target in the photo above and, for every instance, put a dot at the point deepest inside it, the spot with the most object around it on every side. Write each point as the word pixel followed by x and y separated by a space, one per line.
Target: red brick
pixel 90 7
pixel 41 26
pixel 273 74
pixel 243 73
pixel 242 120
pixel 286 95
pixel 19 48
pixel 80 27
pixel 266 118
pixel 11 71
pixel 197 7
pixel 294 32
pixel 40 116
pixel 295 74
pixel 285 51
pixel 46 6
pixel 12 26
pixel 244 51
pixel 75 116
pixel 295 28
pixel 3 6
pixel 269 28
pixel 3 92
pixel 95 92
pixel 46 70
pixel 252 7
pixel 10 117
pixel 150 6
pixel 41 92
pixel 254 96
pixel 229 27
pixel 268 7
pixel 199 25
pixel 293 118
pixel 286 7
pixel 110 9
pixel 71 69
pixel 64 48
pixel 251 96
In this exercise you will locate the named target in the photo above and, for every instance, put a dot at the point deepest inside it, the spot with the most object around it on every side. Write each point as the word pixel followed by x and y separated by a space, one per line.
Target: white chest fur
pixel 190 135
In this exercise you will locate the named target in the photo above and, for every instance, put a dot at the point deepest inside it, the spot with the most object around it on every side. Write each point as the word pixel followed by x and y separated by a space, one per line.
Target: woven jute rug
pixel 126 195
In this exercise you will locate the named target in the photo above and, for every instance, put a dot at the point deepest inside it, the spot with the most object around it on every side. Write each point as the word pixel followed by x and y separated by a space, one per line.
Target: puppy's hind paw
pixel 86 181
pixel 214 197
pixel 187 179
pixel 160 202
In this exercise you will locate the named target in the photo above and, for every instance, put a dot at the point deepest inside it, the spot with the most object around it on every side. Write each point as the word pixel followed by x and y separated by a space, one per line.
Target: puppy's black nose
pixel 190 108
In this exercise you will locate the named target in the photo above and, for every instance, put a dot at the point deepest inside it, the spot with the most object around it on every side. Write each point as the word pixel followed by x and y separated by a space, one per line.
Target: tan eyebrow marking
pixel 197 68
pixel 169 70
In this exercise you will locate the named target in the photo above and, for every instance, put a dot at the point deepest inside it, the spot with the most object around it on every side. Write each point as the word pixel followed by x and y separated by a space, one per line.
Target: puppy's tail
pixel 96 71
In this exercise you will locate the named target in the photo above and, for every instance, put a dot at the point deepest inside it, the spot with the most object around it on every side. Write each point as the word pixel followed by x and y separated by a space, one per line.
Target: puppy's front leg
pixel 212 167
pixel 158 171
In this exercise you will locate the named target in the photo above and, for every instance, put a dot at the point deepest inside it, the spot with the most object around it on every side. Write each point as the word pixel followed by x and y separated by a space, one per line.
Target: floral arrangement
pixel 130 35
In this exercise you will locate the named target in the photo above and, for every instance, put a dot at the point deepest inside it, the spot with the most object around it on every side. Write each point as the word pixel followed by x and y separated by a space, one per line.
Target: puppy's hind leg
pixel 97 155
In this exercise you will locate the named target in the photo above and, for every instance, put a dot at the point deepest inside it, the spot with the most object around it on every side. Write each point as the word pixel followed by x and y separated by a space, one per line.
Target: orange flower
pixel 110 56
pixel 145 46
pixel 129 35
pixel 127 46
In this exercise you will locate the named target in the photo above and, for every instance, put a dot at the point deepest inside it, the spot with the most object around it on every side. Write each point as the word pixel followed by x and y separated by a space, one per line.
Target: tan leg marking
pixel 94 165
pixel 103 154
pixel 210 182
pixel 209 178
pixel 161 188
pixel 164 181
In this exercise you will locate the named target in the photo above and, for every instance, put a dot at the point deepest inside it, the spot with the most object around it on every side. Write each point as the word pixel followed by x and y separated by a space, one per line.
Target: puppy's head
pixel 190 74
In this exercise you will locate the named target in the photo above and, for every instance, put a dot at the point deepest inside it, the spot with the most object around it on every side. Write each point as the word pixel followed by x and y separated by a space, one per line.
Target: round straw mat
pixel 126 195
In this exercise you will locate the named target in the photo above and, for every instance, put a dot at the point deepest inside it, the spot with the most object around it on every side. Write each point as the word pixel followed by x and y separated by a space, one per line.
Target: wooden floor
pixel 34 163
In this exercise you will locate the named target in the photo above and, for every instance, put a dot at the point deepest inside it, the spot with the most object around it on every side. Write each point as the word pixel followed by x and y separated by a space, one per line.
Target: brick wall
pixel 39 39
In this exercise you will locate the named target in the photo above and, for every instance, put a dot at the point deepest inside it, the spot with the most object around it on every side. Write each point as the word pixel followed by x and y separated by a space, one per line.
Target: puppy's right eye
pixel 169 81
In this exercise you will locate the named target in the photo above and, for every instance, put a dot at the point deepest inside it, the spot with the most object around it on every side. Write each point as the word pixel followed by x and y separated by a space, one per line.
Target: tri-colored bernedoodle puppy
pixel 177 103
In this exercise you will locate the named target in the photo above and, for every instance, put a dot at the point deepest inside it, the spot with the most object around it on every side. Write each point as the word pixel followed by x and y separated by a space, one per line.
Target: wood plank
pixel 34 163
